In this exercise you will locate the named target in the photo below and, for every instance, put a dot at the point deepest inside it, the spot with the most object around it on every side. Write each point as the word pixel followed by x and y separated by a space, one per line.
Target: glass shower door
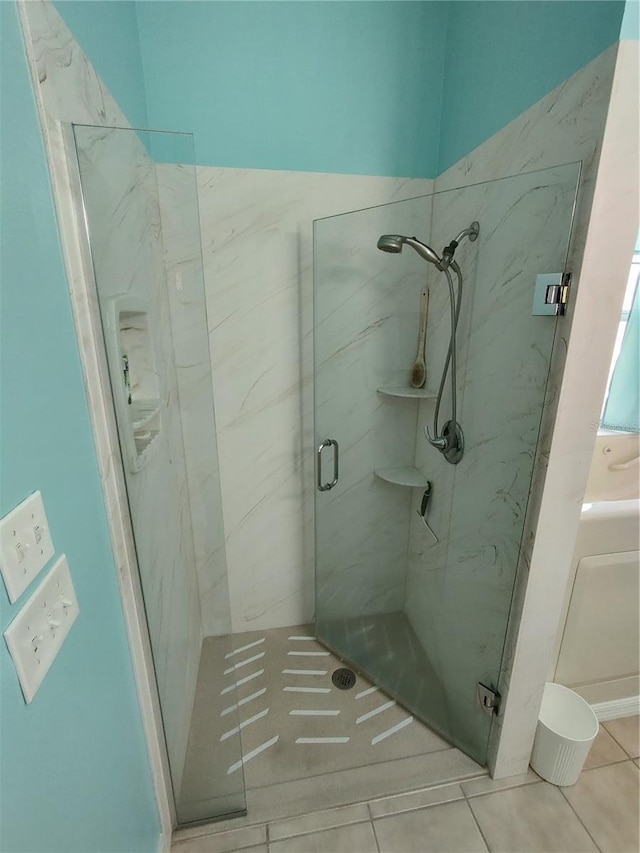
pixel 420 602
pixel 139 193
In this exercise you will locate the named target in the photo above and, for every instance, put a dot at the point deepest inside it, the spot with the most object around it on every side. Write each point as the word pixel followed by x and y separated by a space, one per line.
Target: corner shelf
pixel 410 477
pixel 407 392
pixel 145 424
pixel 142 412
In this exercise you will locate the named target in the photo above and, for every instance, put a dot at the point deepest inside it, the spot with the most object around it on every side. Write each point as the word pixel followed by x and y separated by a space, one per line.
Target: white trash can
pixel 567 727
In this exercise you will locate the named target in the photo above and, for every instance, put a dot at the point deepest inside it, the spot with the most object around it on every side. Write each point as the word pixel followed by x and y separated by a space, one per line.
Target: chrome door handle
pixel 328 442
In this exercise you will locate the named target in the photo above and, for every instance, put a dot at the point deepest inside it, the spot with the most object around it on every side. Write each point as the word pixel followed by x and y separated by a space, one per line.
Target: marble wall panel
pixel 366 334
pixel 257 241
pixel 178 194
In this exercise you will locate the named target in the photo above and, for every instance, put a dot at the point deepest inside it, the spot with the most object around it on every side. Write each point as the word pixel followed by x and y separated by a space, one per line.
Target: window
pixel 621 410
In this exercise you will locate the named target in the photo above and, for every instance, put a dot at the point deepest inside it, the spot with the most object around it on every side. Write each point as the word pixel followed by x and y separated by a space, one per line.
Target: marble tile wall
pixel 366 334
pixel 178 194
pixel 258 254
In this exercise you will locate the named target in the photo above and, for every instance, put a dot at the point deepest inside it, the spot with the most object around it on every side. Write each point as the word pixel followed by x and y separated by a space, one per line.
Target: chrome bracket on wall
pixel 489 699
pixel 551 294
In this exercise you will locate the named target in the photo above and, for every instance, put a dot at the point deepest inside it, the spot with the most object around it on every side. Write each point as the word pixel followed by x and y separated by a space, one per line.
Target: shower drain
pixel 344 678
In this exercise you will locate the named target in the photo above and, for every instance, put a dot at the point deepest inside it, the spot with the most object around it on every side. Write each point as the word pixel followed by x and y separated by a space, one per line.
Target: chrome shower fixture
pixel 449 251
pixel 450 439
pixel 393 243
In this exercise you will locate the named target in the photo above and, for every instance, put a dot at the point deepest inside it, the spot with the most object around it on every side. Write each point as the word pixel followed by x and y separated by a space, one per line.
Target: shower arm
pixel 448 252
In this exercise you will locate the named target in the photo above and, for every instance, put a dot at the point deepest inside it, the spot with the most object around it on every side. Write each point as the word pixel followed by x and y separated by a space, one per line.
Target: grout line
pixel 475 819
pixel 580 819
pixel 616 739
pixel 498 790
pixel 313 831
pixel 459 783
pixel 607 764
pixel 373 827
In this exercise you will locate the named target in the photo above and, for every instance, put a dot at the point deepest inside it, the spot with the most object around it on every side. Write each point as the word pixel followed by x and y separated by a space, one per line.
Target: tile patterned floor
pixel 519 815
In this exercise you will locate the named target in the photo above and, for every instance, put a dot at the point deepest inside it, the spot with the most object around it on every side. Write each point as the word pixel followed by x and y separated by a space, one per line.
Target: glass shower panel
pixel 422 608
pixel 141 212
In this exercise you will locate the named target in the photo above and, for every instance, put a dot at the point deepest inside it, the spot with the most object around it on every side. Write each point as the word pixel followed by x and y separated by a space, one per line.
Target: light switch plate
pixel 25 545
pixel 36 634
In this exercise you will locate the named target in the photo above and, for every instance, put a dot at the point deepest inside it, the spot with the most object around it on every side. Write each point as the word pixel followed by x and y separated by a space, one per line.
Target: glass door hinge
pixel 551 294
pixel 488 698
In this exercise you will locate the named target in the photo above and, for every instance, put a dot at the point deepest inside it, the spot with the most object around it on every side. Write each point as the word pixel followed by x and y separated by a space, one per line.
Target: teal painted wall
pixel 74 774
pixel 503 57
pixel 631 20
pixel 352 87
pixel 380 88
pixel 108 33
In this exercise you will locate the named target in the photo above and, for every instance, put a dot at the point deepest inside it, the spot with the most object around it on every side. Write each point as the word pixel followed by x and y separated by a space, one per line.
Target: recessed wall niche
pixel 135 381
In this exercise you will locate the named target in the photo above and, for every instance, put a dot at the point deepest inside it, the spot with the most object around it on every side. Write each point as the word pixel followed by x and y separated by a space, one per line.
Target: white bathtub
pixel 598 648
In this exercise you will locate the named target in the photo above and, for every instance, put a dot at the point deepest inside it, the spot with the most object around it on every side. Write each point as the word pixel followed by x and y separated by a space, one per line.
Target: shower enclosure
pixel 142 221
pixel 416 559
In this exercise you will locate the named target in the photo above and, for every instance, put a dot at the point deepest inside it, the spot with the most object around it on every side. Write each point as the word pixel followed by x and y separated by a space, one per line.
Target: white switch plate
pixel 25 545
pixel 36 634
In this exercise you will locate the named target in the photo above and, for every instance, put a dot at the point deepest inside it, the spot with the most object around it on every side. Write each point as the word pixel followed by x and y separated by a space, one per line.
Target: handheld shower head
pixel 391 243
pixel 394 243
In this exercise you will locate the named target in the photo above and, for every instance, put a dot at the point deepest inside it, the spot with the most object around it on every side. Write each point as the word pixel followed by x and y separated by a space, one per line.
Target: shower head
pixel 394 243
pixel 391 243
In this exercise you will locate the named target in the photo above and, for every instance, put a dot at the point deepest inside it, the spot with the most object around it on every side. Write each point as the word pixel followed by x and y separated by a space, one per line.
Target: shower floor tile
pixel 305 743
